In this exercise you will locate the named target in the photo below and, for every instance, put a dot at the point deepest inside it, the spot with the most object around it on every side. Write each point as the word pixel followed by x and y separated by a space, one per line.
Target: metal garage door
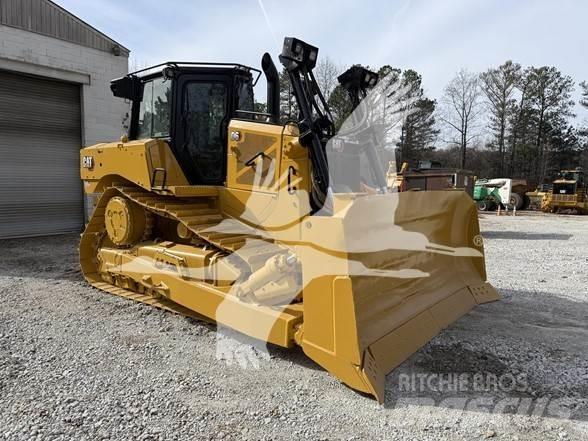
pixel 40 138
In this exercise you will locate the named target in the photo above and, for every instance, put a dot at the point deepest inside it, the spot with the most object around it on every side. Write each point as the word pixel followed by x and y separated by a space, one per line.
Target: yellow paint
pixel 380 276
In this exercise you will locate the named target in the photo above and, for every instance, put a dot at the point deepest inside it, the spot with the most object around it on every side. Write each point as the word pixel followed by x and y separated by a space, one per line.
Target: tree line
pixel 508 121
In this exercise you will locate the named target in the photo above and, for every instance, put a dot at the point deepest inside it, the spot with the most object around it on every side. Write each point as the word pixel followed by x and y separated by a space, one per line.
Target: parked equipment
pixel 431 176
pixel 536 196
pixel 504 192
pixel 213 210
pixel 568 192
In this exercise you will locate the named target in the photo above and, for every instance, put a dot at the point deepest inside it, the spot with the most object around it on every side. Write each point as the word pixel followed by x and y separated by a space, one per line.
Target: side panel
pixel 253 160
pixel 271 192
pixel 143 163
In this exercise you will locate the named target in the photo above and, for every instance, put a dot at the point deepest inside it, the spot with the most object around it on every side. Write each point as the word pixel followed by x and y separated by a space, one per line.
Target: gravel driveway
pixel 76 363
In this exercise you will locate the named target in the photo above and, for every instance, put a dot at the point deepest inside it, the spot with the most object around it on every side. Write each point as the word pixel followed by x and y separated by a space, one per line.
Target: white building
pixel 55 97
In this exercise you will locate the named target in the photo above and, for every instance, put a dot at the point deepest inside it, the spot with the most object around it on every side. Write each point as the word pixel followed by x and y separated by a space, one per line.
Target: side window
pixel 245 96
pixel 204 113
pixel 145 112
pixel 154 112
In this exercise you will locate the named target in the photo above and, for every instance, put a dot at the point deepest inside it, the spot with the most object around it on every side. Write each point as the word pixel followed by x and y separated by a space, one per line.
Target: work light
pixel 297 52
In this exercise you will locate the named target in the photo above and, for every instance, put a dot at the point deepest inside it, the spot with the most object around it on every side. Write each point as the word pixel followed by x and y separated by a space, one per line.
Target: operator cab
pixel 189 105
pixel 569 181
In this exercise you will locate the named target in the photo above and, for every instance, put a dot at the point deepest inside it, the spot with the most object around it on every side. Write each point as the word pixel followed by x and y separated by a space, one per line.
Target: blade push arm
pixel 315 119
pixel 357 81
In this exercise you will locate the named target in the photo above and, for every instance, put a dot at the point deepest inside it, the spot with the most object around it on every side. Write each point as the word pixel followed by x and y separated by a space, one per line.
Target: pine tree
pixel 551 98
pixel 340 105
pixel 498 85
pixel 288 105
pixel 565 146
pixel 419 131
pixel 260 107
pixel 407 102
pixel 583 132
pixel 521 120
pixel 584 99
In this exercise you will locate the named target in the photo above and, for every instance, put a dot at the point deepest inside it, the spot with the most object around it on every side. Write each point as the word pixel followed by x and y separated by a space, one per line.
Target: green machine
pixel 487 193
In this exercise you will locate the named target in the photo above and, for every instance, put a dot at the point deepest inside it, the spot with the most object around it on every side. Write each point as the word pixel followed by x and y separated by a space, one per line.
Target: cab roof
pixel 189 66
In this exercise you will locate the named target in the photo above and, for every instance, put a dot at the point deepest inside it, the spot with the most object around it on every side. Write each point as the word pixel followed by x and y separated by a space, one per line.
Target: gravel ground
pixel 76 363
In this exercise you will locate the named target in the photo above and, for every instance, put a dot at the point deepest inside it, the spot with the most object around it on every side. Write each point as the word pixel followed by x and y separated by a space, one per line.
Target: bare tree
pixel 462 109
pixel 135 64
pixel 326 73
pixel 498 85
pixel 288 106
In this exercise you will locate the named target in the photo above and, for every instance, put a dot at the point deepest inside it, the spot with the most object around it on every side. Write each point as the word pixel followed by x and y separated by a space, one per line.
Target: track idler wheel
pixel 126 222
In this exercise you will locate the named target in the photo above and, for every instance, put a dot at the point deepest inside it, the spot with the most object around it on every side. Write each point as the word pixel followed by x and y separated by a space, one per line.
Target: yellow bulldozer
pixel 569 191
pixel 211 209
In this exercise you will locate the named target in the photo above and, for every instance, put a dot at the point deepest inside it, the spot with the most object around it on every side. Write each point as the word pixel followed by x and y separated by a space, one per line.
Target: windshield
pixel 564 188
pixel 154 112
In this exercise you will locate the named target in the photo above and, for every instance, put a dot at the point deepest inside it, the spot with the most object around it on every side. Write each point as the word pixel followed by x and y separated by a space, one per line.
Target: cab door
pixel 202 119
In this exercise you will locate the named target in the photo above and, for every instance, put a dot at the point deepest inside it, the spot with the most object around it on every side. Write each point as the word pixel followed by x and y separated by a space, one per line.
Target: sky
pixel 434 37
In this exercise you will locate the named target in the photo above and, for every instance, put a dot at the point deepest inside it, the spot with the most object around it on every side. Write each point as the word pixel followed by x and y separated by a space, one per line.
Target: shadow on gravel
pixel 294 355
pixel 525 355
pixel 47 257
pixel 519 235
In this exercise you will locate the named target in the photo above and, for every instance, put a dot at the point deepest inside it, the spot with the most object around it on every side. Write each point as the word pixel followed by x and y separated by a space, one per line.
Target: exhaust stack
pixel 273 87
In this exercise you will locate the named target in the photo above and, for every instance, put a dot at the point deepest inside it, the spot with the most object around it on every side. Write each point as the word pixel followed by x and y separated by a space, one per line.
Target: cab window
pixel 154 111
pixel 245 96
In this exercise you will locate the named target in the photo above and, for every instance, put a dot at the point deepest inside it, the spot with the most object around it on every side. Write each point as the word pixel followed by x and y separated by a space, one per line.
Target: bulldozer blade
pixel 422 270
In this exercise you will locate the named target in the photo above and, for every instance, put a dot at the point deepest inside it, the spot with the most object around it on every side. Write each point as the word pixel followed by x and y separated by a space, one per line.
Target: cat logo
pixel 88 162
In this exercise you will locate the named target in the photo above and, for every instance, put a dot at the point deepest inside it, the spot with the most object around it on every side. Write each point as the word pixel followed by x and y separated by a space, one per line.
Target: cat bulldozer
pixel 211 209
pixel 569 191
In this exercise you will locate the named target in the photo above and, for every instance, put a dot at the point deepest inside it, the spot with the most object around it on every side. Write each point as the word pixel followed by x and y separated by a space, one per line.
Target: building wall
pixel 31 53
pixel 47 18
